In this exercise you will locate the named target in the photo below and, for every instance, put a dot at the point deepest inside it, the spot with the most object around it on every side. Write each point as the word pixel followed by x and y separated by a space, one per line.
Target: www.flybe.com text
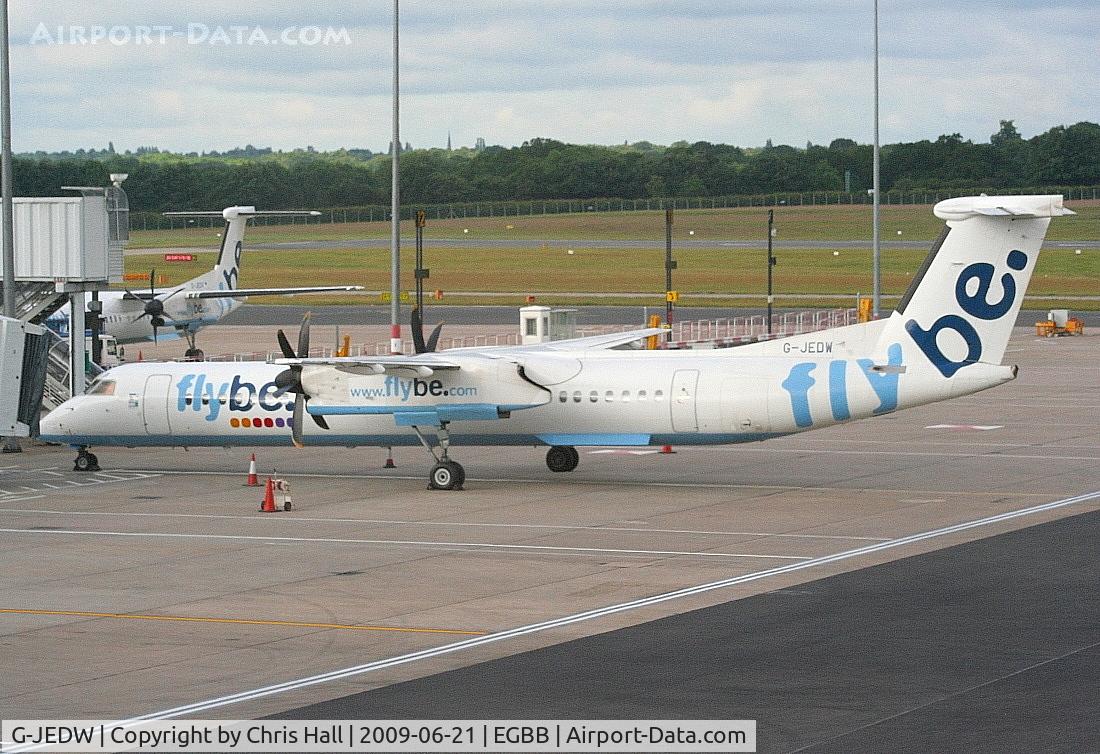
pixel 403 390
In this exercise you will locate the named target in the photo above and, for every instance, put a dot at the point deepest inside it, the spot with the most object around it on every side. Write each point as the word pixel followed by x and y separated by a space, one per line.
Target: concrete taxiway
pixel 155 586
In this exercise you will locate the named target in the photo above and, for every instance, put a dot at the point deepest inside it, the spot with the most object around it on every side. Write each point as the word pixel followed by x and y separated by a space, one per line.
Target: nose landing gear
pixel 85 461
pixel 562 458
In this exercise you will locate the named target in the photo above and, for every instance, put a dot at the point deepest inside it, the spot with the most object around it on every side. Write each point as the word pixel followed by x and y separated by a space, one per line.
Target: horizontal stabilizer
pixel 231 212
pixel 1002 206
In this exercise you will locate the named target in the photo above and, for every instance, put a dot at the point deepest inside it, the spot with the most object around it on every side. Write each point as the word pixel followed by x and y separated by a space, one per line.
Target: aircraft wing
pixel 424 364
pixel 241 292
pixel 592 342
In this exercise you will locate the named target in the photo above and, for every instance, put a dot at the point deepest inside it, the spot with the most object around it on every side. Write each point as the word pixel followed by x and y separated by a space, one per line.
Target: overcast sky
pixel 604 71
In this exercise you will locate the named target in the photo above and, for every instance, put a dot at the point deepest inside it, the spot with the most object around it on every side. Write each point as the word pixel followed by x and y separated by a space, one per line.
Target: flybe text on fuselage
pixel 194 392
pixel 800 379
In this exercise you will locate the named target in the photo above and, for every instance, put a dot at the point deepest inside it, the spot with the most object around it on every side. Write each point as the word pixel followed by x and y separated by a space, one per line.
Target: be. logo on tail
pixel 971 293
pixel 232 275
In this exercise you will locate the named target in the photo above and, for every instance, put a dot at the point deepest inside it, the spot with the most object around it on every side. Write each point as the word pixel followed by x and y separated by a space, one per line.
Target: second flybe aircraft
pixel 946 338
pixel 182 310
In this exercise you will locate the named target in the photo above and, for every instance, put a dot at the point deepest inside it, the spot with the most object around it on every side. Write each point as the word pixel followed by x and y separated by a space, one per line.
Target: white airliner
pixel 946 339
pixel 137 316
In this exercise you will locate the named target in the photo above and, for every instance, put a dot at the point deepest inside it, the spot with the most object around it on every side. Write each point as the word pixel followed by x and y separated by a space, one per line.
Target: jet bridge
pixel 65 248
pixel 23 351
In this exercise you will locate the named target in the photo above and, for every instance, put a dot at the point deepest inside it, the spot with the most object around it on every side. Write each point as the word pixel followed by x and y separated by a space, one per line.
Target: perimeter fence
pixel 538 207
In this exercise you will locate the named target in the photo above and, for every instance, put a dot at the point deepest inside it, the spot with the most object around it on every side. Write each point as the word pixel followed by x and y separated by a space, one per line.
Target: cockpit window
pixel 102 387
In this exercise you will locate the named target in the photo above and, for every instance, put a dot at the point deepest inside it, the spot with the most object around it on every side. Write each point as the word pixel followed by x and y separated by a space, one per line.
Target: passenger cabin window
pixel 658 395
pixel 641 395
pixel 609 396
pixel 594 396
pixel 576 396
pixel 563 396
pixel 626 396
pixel 102 387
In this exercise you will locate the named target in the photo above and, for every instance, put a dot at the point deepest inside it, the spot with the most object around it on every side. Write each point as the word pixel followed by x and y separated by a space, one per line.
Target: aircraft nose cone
pixel 51 427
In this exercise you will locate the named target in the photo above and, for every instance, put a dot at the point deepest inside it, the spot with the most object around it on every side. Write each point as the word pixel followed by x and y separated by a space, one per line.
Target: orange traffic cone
pixel 268 505
pixel 253 480
pixel 667 450
pixel 389 460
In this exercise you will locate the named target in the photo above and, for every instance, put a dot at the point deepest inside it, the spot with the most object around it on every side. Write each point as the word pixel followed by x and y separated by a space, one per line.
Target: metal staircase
pixel 34 301
pixel 56 390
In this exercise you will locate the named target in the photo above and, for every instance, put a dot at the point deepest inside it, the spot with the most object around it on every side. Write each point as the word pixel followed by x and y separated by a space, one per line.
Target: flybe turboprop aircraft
pixel 946 338
pixel 132 317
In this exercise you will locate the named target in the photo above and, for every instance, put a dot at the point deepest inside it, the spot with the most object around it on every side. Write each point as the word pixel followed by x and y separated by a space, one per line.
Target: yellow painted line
pixel 240 621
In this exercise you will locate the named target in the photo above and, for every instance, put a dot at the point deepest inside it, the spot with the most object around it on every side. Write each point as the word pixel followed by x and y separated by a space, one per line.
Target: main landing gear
pixel 85 461
pixel 446 474
pixel 193 353
pixel 562 458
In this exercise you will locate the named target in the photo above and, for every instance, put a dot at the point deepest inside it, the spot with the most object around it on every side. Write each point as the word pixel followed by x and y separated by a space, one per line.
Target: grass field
pixel 832 223
pixel 537 271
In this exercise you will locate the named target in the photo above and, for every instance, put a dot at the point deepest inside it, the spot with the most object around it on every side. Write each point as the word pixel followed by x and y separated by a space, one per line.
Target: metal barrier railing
pixel 686 332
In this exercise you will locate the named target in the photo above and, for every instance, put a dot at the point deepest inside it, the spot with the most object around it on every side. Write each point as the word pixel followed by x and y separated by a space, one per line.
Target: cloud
pixel 594 72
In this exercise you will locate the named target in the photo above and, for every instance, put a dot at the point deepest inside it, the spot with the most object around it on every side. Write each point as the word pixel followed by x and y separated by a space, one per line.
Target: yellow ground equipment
pixel 1058 322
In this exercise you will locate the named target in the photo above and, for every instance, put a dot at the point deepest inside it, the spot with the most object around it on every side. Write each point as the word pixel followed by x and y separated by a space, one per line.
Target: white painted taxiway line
pixel 513 633
pixel 915 453
pixel 455 524
pixel 618 483
pixel 399 543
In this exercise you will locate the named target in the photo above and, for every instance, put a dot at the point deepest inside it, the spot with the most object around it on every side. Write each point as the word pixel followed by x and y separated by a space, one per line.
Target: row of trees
pixel 548 169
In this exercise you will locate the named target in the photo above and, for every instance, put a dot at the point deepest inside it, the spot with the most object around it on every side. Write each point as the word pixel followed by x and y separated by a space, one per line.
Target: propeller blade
pixel 152 280
pixel 284 346
pixel 130 295
pixel 296 428
pixel 320 421
pixel 155 329
pixel 416 325
pixel 303 337
pixel 433 339
pixel 135 319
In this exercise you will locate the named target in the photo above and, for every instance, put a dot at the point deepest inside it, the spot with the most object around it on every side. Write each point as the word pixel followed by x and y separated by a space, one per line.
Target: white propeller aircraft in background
pixel 137 316
pixel 946 338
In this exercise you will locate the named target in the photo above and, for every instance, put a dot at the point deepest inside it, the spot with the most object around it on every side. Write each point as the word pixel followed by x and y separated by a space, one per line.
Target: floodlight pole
pixel 670 265
pixel 5 164
pixel 10 444
pixel 876 294
pixel 771 263
pixel 395 203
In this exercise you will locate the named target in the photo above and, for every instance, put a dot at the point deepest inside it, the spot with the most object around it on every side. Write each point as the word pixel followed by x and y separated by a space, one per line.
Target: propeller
pixel 416 323
pixel 290 380
pixel 154 307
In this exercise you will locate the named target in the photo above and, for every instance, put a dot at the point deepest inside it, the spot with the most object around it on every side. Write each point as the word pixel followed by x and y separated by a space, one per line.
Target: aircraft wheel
pixel 86 462
pixel 562 458
pixel 446 475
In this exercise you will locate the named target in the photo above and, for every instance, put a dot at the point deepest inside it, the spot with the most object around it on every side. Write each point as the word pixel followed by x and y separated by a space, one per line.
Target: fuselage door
pixel 684 384
pixel 154 407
